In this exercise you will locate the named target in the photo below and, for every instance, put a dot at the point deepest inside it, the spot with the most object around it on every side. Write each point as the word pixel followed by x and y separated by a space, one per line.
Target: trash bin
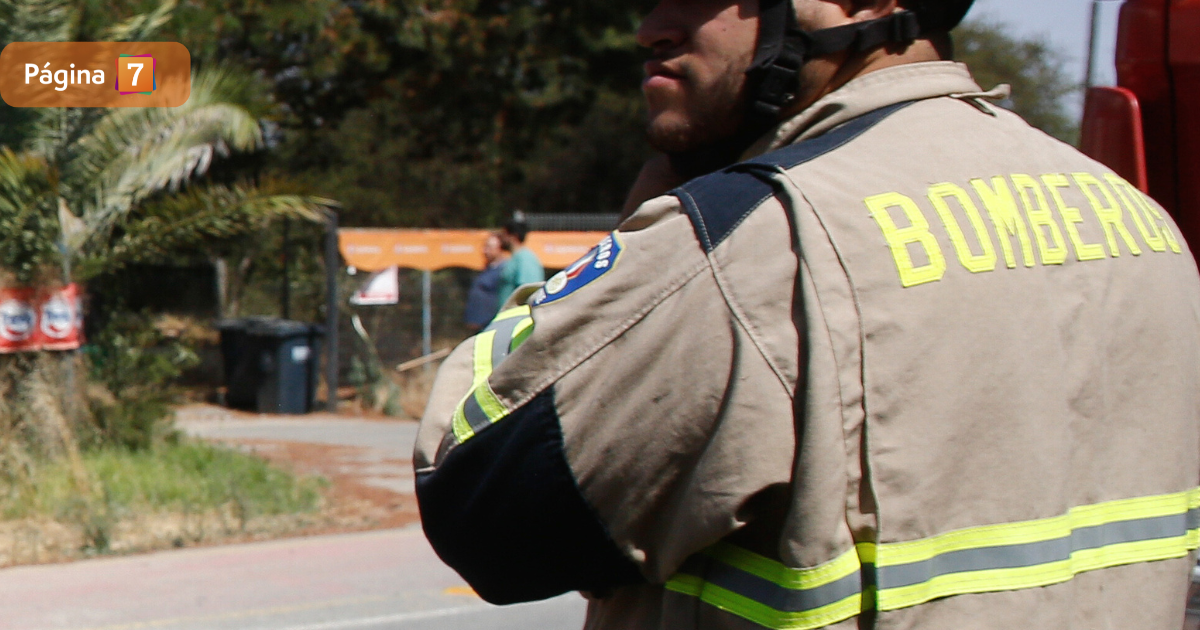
pixel 271 365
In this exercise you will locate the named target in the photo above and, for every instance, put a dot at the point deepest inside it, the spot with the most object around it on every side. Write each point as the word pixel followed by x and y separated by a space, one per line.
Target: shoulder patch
pixel 602 259
pixel 718 203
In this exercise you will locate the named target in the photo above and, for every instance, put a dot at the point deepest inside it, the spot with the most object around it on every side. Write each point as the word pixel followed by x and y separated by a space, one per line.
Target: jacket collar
pixel 908 82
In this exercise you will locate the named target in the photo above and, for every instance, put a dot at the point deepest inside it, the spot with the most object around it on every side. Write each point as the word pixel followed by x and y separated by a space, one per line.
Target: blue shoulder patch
pixel 601 260
pixel 719 202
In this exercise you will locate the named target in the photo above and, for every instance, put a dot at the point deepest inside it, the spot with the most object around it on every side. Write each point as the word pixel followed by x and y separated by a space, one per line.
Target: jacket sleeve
pixel 607 433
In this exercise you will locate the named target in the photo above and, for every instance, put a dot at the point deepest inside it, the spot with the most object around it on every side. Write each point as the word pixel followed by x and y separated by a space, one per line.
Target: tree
pixel 1033 69
pixel 442 113
pixel 84 192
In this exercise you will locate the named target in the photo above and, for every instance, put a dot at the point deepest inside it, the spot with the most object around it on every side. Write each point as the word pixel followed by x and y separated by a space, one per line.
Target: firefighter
pixel 873 353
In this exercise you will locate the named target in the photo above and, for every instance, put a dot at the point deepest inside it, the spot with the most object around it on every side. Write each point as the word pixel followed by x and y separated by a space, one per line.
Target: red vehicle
pixel 1147 129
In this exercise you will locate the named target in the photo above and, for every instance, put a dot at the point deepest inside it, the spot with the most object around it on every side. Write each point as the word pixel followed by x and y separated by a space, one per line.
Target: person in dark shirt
pixel 483 297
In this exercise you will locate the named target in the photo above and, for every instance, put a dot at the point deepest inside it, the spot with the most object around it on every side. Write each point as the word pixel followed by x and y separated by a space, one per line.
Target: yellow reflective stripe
pixel 483 357
pixel 1033 531
pixel 521 333
pixel 995 580
pixel 481 407
pixel 984 559
pixel 769 593
pixel 762 614
pixel 516 311
pixel 787 577
pixel 489 402
pixel 1037 553
pixel 459 425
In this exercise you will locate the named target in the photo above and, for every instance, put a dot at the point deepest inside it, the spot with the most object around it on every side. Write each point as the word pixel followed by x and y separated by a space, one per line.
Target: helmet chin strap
pixel 774 76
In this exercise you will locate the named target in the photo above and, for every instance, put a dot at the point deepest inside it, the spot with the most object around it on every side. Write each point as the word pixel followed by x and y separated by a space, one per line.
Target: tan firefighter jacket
pixel 914 365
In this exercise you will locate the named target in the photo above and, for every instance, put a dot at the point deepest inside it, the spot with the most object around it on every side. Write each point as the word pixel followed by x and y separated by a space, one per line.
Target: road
pixel 384 580
pixel 381 580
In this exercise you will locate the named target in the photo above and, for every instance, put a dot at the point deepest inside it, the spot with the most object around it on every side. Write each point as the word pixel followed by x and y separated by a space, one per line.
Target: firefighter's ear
pixel 818 14
pixel 863 10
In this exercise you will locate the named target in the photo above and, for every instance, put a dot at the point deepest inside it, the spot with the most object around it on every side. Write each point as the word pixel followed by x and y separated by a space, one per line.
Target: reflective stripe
pixel 1037 553
pixel 483 351
pixel 481 407
pixel 975 560
pixel 504 332
pixel 522 332
pixel 769 593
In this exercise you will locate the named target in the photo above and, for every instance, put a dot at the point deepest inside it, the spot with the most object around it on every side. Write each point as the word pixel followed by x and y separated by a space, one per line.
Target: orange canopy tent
pixel 431 250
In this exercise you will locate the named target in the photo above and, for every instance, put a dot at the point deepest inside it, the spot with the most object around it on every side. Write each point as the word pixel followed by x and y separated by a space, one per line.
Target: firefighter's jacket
pixel 913 365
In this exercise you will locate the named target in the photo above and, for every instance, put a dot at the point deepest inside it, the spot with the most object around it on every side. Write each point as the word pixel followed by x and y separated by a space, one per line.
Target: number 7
pixel 135 72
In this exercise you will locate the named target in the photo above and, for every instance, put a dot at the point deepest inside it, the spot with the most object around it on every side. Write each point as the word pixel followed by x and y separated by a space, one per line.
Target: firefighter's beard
pixel 696 118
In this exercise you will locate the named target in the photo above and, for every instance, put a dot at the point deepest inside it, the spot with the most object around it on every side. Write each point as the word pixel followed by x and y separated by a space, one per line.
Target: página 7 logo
pixel 62 77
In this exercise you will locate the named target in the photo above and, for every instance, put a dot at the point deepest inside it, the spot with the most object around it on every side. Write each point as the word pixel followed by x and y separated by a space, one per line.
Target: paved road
pixel 385 580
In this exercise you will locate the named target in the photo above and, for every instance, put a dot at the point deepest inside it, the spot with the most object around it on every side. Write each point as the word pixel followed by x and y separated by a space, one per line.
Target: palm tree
pixel 84 192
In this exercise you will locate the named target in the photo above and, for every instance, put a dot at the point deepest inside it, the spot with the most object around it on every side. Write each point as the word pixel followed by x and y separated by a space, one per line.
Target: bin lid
pixel 273 327
pixel 235 325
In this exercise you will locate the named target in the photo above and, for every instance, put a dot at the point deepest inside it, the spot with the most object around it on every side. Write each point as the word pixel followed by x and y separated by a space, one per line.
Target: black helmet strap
pixel 783 49
pixel 774 75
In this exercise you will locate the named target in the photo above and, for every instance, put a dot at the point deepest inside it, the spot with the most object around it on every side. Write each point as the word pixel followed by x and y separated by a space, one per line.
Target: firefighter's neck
pixel 823 75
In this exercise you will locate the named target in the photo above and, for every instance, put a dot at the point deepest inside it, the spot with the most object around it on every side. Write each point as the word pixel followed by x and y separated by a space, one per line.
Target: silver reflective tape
pixel 503 339
pixel 475 415
pixel 1193 519
pixel 1032 554
pixel 768 593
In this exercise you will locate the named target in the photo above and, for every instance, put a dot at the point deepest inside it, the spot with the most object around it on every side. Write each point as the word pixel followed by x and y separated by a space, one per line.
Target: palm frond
pixel 140 28
pixel 37 20
pixel 28 215
pixel 133 153
pixel 193 218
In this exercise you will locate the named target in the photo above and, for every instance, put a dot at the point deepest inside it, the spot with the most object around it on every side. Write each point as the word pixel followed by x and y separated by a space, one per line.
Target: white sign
pixel 381 288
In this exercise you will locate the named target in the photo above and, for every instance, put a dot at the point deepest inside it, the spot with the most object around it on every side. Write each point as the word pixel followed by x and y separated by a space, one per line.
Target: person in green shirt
pixel 523 267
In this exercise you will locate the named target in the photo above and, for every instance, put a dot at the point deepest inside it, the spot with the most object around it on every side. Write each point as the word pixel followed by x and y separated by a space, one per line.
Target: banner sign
pixel 431 250
pixel 40 319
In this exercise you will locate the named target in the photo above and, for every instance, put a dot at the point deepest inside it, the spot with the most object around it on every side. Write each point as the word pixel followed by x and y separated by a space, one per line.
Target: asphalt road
pixel 384 580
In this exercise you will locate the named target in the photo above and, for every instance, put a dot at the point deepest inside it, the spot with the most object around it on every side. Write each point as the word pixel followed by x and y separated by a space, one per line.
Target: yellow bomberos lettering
pixel 1049 238
pixel 1109 213
pixel 1071 218
pixel 1002 208
pixel 1167 233
pixel 1154 217
pixel 899 239
pixel 975 263
pixel 1129 198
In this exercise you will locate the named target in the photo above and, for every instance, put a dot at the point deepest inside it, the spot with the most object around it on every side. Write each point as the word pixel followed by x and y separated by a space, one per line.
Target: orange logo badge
pixel 135 74
pixel 95 74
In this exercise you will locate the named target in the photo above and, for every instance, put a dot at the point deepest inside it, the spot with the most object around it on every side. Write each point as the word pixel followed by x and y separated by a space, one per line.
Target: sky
pixel 1066 25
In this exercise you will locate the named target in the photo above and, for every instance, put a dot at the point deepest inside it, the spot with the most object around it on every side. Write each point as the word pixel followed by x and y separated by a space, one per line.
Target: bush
pixel 135 364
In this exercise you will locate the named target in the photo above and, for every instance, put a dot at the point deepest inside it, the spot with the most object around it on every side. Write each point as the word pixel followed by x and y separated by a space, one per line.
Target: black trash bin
pixel 271 365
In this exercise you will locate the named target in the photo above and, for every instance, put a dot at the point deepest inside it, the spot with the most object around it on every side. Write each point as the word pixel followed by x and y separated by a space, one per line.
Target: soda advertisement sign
pixel 33 320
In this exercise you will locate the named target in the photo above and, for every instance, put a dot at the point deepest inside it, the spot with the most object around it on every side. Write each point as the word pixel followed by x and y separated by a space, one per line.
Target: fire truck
pixel 1147 127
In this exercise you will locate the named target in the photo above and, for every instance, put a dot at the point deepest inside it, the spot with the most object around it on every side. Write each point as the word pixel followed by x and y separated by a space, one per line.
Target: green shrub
pixel 185 477
pixel 137 364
